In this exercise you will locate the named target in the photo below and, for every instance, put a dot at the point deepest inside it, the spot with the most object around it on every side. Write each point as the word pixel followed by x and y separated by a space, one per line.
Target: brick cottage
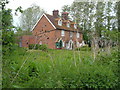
pixel 54 31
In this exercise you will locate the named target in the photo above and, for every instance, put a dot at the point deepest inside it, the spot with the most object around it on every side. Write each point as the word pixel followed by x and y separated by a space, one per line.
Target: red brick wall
pixel 42 26
pixel 41 32
pixel 51 41
pixel 28 39
pixel 67 37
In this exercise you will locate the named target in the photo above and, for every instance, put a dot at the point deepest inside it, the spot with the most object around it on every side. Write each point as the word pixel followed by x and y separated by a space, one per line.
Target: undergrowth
pixel 60 69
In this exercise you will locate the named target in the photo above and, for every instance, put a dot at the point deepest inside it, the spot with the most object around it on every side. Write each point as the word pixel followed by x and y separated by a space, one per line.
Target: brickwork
pixel 45 33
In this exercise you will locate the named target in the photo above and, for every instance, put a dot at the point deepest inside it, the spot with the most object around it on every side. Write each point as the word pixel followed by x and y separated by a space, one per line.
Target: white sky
pixel 47 5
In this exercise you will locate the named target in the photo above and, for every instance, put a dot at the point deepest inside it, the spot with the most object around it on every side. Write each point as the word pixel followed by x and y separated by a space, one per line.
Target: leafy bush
pixel 84 48
pixel 38 47
pixel 31 46
pixel 42 47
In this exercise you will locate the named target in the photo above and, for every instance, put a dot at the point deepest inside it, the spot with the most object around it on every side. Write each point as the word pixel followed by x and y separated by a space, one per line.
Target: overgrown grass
pixel 60 69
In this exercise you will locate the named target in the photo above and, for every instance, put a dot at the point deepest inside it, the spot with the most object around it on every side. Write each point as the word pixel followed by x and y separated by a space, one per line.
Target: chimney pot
pixel 55 13
pixel 65 15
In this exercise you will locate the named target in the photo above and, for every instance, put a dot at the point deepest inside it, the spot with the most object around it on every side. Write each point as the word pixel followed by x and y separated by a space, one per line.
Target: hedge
pixel 38 47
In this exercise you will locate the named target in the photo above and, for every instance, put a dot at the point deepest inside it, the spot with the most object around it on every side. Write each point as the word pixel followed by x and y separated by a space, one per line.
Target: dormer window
pixel 60 22
pixel 75 26
pixel 68 24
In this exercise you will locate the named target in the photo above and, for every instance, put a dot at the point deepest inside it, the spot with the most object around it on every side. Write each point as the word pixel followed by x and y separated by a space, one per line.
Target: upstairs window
pixel 68 24
pixel 71 34
pixel 62 33
pixel 77 35
pixel 75 26
pixel 60 22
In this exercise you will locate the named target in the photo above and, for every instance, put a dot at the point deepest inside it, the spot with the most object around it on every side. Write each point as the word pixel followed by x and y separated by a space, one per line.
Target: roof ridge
pixel 48 14
pixel 64 27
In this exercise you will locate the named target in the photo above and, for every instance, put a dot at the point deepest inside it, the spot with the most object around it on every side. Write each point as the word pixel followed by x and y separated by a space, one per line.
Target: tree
pixel 66 8
pixel 8 36
pixel 30 16
pixel 7 33
pixel 96 22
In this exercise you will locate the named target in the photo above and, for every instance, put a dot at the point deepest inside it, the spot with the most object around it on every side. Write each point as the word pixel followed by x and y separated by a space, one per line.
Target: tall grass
pixel 57 69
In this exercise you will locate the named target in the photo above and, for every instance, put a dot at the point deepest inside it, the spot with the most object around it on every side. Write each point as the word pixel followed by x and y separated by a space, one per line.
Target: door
pixel 59 44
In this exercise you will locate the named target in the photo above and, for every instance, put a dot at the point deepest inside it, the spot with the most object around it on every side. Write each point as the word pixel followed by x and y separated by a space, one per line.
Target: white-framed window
pixel 75 26
pixel 68 24
pixel 62 33
pixel 60 22
pixel 71 34
pixel 77 35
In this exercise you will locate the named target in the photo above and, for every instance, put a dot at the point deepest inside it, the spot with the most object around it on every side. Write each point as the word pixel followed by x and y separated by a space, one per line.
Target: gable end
pixel 40 19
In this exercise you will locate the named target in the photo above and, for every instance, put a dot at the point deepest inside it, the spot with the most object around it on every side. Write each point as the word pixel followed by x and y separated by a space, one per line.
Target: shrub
pixel 42 47
pixel 84 48
pixel 31 46
pixel 38 47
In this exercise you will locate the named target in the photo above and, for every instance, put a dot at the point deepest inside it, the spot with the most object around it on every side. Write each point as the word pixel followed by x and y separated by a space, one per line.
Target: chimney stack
pixel 65 15
pixel 55 13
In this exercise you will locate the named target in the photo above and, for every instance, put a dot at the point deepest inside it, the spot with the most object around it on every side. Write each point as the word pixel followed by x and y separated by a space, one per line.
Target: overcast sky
pixel 47 5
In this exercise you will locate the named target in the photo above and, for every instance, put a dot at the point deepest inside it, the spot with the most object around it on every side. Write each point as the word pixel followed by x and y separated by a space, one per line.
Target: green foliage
pixel 38 47
pixel 66 8
pixel 60 71
pixel 85 36
pixel 18 9
pixel 6 18
pixel 7 33
pixel 3 3
pixel 8 36
pixel 84 48
pixel 92 17
pixel 55 68
pixel 43 47
pixel 31 46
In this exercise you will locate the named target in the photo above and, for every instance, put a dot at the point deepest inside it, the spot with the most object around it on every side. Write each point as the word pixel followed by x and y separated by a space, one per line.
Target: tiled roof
pixel 57 18
pixel 52 19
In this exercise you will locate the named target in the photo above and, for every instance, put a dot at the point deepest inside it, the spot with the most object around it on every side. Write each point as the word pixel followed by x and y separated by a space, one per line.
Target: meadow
pixel 60 69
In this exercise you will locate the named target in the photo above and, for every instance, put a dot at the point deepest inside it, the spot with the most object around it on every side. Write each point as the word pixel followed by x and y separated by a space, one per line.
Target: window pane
pixel 62 33
pixel 71 34
pixel 78 35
